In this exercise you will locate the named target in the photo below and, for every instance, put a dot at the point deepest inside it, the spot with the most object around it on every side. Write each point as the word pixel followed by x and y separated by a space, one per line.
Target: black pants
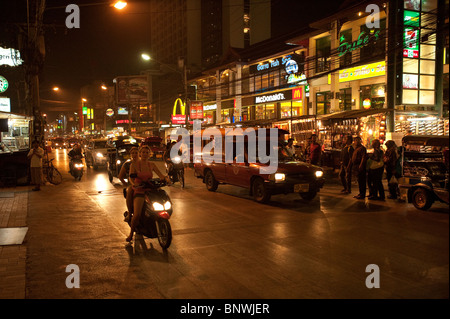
pixel 362 182
pixel 375 183
pixel 346 178
pixel 393 187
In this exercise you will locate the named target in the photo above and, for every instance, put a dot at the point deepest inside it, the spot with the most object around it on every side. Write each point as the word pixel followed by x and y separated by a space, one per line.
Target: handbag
pixel 376 165
pixel 393 180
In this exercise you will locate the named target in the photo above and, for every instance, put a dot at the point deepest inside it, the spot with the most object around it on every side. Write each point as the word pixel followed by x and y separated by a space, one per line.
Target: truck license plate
pixel 301 188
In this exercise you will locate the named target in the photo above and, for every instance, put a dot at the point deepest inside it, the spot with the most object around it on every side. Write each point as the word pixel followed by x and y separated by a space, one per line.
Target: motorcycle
pixel 77 167
pixel 157 210
pixel 175 170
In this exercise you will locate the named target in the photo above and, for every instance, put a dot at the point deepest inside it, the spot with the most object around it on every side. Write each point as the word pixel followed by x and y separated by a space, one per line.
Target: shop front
pixel 14 148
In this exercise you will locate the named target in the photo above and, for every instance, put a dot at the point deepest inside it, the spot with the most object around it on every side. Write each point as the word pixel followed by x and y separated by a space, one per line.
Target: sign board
pixel 178 119
pixel 196 110
pixel 110 112
pixel 122 111
pixel 3 84
pixel 411 34
pixel 361 72
pixel 131 89
pixel 10 57
pixel 5 104
pixel 275 97
pixel 85 110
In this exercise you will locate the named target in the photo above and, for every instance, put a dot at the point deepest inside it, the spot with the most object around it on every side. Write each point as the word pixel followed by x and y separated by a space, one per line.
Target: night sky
pixel 109 42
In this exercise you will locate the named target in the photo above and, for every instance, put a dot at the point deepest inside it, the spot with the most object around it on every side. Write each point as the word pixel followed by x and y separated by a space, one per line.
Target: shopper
pixel 357 166
pixel 344 174
pixel 315 151
pixel 391 160
pixel 375 166
pixel 35 156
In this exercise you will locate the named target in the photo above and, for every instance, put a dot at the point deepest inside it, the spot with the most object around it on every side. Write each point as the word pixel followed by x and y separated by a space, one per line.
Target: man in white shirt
pixel 35 156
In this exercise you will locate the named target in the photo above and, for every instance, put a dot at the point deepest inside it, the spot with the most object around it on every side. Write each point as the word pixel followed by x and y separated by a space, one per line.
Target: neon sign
pixel 10 57
pixel 363 40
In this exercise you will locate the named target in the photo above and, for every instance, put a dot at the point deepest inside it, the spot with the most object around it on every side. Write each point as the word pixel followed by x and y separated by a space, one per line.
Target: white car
pixel 96 153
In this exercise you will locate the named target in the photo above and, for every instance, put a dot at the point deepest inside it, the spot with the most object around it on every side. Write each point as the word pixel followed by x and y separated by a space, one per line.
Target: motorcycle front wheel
pixel 181 177
pixel 165 233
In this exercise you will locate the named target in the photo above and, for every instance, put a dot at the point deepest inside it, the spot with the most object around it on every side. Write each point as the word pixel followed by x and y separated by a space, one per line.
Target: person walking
pixel 35 156
pixel 391 158
pixel 346 155
pixel 315 151
pixel 357 165
pixel 375 166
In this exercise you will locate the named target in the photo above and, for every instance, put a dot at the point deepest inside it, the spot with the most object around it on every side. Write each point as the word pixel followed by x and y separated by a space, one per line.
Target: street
pixel 226 246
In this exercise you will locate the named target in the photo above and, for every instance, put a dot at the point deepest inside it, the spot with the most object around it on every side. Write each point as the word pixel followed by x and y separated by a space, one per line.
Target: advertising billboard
pixel 132 89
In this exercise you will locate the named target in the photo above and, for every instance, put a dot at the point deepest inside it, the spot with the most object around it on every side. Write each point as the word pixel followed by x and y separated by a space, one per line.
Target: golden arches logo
pixel 182 107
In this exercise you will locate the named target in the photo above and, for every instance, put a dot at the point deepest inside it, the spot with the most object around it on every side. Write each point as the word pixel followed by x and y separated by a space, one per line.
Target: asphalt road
pixel 226 246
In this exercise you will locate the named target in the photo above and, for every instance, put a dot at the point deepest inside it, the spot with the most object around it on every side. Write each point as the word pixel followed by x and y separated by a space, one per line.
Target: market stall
pixel 14 148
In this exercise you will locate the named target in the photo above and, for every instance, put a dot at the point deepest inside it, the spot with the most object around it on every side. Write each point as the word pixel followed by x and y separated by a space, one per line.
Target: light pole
pixel 183 74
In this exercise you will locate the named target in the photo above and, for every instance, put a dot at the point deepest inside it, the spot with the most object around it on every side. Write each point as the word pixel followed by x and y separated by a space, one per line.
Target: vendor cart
pixel 424 177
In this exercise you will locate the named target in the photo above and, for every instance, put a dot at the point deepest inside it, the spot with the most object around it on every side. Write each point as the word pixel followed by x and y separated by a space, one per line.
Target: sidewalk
pixel 13 213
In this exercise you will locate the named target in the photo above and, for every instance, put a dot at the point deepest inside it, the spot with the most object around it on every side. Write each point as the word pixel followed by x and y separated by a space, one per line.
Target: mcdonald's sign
pixel 297 94
pixel 182 107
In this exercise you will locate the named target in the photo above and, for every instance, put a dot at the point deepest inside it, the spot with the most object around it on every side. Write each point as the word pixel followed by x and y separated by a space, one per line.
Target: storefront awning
pixel 353 114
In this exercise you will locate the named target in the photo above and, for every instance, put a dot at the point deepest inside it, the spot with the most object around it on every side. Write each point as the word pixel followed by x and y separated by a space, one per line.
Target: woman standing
pixel 140 172
pixel 376 170
pixel 390 160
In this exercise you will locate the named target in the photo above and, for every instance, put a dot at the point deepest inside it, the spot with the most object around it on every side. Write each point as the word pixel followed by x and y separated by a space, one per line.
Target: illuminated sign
pixel 363 40
pixel 85 111
pixel 293 64
pixel 110 112
pixel 122 111
pixel 182 107
pixel 10 57
pixel 178 119
pixel 3 84
pixel 286 95
pixel 411 33
pixel 5 104
pixel 410 81
pixel 196 109
pixel 297 94
pixel 210 107
pixel 361 72
pixel 367 104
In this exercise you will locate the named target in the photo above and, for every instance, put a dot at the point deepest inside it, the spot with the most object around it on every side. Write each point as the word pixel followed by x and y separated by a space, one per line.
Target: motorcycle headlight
pixel 319 174
pixel 176 159
pixel 167 205
pixel 99 155
pixel 79 165
pixel 157 206
pixel 118 162
pixel 279 177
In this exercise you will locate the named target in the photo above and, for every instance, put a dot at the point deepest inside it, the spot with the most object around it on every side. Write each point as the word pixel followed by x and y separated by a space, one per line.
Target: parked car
pixel 291 176
pixel 96 153
pixel 424 177
pixel 156 146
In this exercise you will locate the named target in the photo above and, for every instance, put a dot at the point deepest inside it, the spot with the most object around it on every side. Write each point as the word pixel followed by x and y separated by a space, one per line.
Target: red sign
pixel 178 119
pixel 297 94
pixel 196 108
pixel 123 121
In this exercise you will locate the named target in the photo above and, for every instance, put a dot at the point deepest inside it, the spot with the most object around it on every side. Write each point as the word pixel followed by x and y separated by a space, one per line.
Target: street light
pixel 147 57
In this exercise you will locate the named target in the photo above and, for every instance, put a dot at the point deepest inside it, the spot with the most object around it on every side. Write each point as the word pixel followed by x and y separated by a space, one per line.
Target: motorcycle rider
pixel 125 173
pixel 141 171
pixel 168 160
pixel 74 153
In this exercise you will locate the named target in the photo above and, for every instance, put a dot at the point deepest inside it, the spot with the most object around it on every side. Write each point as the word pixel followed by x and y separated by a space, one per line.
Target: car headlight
pixel 157 206
pixel 279 177
pixel 99 155
pixel 176 159
pixel 118 162
pixel 319 174
pixel 425 179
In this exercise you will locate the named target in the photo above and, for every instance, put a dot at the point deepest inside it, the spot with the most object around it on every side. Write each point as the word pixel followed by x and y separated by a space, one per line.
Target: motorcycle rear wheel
pixel 166 233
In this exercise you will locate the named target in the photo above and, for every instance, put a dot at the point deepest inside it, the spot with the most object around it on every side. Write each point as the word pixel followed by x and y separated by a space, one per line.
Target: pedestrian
pixel 391 161
pixel 290 147
pixel 346 155
pixel 375 167
pixel 315 151
pixel 357 166
pixel 35 156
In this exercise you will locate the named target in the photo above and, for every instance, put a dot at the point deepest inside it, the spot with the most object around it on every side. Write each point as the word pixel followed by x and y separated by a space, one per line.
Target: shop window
pixel 410 96
pixel 410 66
pixel 427 51
pixel 426 97
pixel 323 54
pixel 376 48
pixel 427 82
pixel 323 102
pixel 346 59
pixel 227 115
pixel 427 67
pixel 345 99
pixel 291 109
pixel 270 111
pixel 372 96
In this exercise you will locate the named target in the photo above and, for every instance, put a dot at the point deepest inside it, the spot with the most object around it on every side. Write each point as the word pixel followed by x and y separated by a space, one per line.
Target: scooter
pixel 154 221
pixel 175 170
pixel 77 168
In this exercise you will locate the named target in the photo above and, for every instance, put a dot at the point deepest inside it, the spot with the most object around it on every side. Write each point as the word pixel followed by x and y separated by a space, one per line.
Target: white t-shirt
pixel 35 160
